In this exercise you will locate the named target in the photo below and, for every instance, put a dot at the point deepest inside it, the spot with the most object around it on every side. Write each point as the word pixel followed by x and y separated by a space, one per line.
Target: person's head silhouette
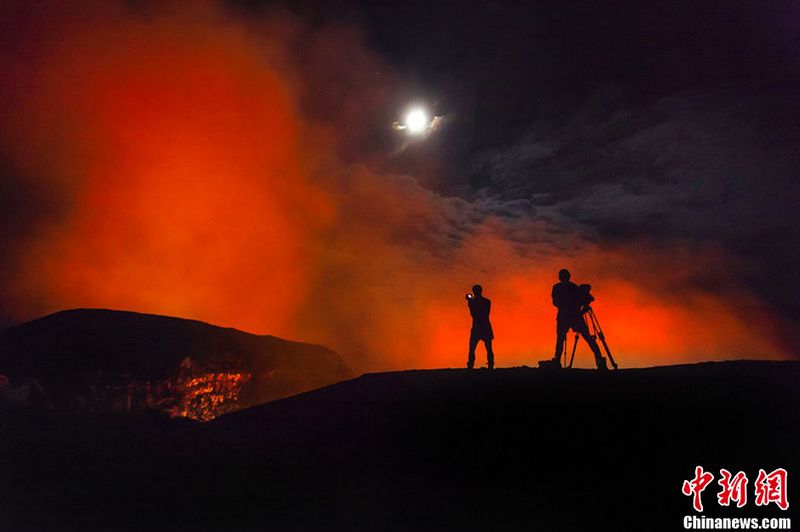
pixel 564 275
pixel 477 290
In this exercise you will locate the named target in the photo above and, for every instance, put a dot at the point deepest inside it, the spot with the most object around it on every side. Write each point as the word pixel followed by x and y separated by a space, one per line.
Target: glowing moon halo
pixel 416 121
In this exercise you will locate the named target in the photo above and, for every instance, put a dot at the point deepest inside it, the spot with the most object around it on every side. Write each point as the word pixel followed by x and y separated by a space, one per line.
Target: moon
pixel 416 121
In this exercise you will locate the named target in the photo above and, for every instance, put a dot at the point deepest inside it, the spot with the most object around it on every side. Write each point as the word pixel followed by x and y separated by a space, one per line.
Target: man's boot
pixel 601 363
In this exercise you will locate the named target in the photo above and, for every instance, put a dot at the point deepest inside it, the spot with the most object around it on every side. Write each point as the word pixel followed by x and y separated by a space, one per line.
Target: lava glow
pixel 207 396
pixel 186 163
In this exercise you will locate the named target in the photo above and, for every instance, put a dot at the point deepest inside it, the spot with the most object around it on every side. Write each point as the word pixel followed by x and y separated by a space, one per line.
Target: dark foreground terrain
pixel 514 449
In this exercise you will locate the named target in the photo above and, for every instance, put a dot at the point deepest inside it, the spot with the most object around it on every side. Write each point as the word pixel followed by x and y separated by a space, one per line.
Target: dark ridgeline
pixel 112 361
pixel 481 331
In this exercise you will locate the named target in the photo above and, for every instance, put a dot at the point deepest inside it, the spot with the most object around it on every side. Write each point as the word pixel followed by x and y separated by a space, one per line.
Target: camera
pixel 470 296
pixel 585 297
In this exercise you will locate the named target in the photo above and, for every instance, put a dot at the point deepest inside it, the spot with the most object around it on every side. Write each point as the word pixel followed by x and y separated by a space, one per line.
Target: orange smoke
pixel 647 319
pixel 188 192
pixel 196 163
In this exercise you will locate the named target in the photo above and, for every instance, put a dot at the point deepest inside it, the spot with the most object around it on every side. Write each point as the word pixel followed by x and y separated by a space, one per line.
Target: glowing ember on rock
pixel 205 397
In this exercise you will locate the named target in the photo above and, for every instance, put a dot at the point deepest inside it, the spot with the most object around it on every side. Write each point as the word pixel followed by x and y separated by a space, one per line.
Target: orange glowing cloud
pixel 644 321
pixel 188 192
pixel 404 258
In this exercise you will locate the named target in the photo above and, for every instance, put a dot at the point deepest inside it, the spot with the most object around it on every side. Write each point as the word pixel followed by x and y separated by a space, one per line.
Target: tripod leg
pixel 574 347
pixel 596 325
pixel 608 351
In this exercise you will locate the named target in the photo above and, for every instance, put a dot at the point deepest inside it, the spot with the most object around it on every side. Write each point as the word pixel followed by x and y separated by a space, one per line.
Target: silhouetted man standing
pixel 479 308
pixel 570 301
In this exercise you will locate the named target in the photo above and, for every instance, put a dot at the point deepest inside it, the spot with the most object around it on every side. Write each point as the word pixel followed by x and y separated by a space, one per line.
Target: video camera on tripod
pixel 592 323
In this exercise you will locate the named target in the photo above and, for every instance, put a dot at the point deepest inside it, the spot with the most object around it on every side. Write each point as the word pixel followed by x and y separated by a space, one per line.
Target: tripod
pixel 596 332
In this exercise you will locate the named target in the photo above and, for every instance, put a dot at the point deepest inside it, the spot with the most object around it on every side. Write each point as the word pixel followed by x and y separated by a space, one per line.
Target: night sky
pixel 650 147
pixel 664 120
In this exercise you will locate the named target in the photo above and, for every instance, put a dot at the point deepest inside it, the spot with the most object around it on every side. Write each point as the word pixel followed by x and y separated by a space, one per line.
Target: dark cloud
pixel 709 166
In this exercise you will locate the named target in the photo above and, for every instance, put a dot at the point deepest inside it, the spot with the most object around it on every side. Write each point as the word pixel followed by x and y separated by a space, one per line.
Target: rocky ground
pixel 512 449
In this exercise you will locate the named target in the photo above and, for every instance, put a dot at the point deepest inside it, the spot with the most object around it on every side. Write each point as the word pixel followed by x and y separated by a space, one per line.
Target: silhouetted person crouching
pixel 571 302
pixel 479 308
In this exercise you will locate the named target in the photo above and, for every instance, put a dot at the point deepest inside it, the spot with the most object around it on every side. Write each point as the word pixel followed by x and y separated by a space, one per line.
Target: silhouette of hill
pixel 116 360
pixel 513 449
